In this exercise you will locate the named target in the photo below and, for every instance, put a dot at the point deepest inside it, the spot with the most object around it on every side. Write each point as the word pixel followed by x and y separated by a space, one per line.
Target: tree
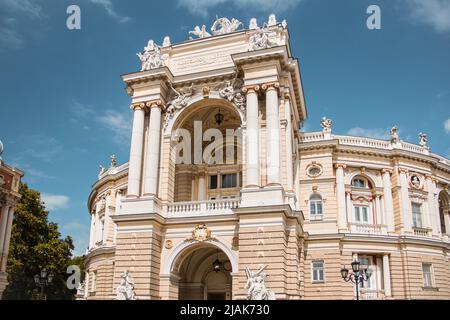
pixel 36 244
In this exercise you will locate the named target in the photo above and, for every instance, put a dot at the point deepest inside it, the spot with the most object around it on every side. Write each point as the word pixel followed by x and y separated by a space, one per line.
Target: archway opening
pixel 204 274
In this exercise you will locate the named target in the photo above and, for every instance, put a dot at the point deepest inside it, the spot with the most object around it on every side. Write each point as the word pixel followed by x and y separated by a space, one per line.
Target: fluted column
pixel 406 210
pixel 7 238
pixel 289 169
pixel 252 137
pixel 272 133
pixel 387 276
pixel 388 203
pixel 153 148
pixel 137 144
pixel 340 194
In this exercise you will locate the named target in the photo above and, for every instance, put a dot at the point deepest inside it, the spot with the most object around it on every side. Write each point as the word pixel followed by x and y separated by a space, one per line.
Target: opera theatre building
pixel 224 197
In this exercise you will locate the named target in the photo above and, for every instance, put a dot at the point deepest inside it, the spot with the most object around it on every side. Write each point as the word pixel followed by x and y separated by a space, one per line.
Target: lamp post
pixel 43 279
pixel 357 276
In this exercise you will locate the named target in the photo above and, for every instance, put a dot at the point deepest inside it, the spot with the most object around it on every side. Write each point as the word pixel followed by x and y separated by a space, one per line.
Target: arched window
pixel 360 182
pixel 315 207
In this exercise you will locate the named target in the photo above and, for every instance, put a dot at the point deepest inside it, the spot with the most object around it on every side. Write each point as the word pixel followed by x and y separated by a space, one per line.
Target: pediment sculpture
pixel 151 57
pixel 256 285
pixel 125 290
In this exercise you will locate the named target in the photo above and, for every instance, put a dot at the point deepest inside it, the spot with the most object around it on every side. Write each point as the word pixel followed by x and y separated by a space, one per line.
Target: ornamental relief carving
pixel 201 233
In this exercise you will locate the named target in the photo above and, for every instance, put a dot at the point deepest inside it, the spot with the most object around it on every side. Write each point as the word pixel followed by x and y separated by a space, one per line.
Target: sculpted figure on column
pixel 256 285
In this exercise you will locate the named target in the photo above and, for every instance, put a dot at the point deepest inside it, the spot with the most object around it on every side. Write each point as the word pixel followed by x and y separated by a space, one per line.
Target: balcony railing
pixel 202 208
pixel 421 232
pixel 367 228
pixel 368 294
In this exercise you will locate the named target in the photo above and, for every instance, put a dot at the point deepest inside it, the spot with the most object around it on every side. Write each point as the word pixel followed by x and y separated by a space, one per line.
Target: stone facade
pixel 9 195
pixel 302 205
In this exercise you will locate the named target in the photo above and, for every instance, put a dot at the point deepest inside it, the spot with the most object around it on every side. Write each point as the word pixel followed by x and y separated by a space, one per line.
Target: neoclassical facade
pixel 221 183
pixel 9 195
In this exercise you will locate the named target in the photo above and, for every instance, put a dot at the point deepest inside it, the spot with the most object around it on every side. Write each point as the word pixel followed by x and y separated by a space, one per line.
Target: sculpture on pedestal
pixel 125 290
pixel 256 285
pixel 423 140
pixel 394 135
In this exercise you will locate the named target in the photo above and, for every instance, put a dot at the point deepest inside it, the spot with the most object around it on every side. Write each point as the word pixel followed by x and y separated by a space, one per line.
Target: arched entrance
pixel 204 273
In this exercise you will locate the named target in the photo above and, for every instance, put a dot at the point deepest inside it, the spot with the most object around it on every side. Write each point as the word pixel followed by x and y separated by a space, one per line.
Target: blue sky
pixel 64 110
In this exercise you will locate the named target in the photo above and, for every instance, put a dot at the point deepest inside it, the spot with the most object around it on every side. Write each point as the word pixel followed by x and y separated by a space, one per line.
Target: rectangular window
pixel 317 271
pixel 213 182
pixel 229 180
pixel 417 215
pixel 362 214
pixel 427 275
pixel 316 209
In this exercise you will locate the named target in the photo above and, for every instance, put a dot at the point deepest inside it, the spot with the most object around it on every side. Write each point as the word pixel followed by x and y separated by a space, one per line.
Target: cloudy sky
pixel 64 109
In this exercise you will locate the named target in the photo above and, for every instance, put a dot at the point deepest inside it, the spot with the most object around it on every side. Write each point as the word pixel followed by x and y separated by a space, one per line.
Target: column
pixel 137 144
pixel 252 137
pixel 3 224
pixel 153 148
pixel 106 218
pixel 289 169
pixel 202 187
pixel 387 276
pixel 406 210
pixel 272 133
pixel 92 233
pixel 388 203
pixel 340 195
pixel 378 210
pixel 349 206
pixel 7 238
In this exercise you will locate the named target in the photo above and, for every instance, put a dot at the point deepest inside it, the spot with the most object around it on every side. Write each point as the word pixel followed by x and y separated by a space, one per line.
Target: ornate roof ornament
pixel 224 25
pixel 394 135
pixel 253 24
pixel 151 57
pixel 166 42
pixel 256 285
pixel 326 124
pixel 272 20
pixel 261 38
pixel 113 162
pixel 423 140
pixel 125 290
pixel 200 32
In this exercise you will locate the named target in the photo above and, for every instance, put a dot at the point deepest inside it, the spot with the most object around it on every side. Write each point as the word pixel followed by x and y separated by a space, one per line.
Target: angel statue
pixel 201 33
pixel 226 26
pixel 256 285
pixel 125 290
pixel 423 140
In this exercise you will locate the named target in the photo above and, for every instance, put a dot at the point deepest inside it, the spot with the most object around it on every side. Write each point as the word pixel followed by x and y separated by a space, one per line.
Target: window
pixel 213 182
pixel 442 220
pixel 417 215
pixel 427 271
pixel 315 207
pixel 317 271
pixel 229 180
pixel 93 279
pixel 359 183
pixel 362 214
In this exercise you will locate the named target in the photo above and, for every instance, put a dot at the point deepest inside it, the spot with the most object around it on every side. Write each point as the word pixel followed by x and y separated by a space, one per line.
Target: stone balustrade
pixel 365 228
pixel 202 208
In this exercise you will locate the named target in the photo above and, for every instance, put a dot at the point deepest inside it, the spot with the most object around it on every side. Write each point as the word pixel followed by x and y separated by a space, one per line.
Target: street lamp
pixel 43 279
pixel 357 276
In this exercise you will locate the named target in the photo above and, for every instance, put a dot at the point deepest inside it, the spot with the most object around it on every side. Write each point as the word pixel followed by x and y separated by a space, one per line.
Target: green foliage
pixel 36 244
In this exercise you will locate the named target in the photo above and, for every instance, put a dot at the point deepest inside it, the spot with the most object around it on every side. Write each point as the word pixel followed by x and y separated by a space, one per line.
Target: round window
pixel 314 171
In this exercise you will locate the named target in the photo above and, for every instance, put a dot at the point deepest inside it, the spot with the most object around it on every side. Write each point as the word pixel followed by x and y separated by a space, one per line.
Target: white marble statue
pixel 260 39
pixel 224 25
pixel 326 124
pixel 394 135
pixel 201 33
pixel 166 42
pixel 1 149
pixel 272 20
pixel 125 290
pixel 256 285
pixel 284 24
pixel 423 140
pixel 253 24
pixel 113 161
pixel 151 57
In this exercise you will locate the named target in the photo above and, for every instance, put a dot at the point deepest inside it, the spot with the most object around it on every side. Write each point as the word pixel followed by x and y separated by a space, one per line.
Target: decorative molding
pixel 340 165
pixel 168 244
pixel 201 233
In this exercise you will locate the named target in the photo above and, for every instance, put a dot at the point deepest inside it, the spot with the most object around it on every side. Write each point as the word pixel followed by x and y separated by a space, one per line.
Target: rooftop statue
pixel 226 26
pixel 423 140
pixel 326 123
pixel 394 135
pixel 201 33
pixel 151 57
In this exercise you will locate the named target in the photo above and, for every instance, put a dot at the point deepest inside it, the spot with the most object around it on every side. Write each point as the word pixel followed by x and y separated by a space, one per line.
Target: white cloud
pixel 435 13
pixel 119 124
pixel 55 202
pixel 447 125
pixel 27 7
pixel 377 133
pixel 202 7
pixel 109 7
